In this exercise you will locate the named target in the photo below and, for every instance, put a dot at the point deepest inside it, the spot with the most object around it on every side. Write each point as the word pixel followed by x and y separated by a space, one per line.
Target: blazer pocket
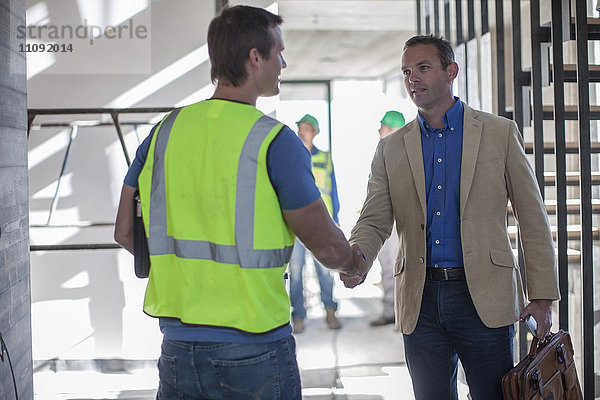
pixel 502 258
pixel 399 266
pixel 494 163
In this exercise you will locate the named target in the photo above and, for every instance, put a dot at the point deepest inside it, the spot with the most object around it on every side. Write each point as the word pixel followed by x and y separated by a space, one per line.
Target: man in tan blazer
pixel 445 179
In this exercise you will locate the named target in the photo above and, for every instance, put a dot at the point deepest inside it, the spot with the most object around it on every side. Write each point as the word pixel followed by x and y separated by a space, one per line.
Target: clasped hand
pixel 541 311
pixel 358 273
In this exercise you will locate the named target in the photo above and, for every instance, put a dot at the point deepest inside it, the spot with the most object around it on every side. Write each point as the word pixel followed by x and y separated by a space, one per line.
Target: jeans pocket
pixel 167 372
pixel 249 378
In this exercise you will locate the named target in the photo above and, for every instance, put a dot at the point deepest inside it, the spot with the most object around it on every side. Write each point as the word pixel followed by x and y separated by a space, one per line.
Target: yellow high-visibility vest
pixel 322 168
pixel 218 243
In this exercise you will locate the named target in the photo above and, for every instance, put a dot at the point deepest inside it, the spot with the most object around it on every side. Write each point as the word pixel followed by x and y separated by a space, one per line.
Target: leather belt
pixel 445 274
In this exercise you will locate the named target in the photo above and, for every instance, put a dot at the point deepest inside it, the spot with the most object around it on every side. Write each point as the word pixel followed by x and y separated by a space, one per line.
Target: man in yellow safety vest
pixel 224 190
pixel 322 169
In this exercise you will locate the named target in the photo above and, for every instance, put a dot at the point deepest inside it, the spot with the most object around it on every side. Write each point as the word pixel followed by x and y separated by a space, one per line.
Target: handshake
pixel 356 274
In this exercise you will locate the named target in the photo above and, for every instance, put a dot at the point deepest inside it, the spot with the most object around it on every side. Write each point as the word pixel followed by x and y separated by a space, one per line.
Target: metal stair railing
pixel 585 168
pixel 564 28
pixel 114 113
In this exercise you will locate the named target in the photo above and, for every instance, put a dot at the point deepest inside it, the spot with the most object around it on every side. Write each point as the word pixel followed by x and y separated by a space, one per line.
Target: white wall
pixel 176 30
pixel 357 108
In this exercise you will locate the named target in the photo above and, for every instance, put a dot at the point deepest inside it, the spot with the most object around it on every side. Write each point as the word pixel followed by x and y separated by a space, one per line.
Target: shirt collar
pixel 451 119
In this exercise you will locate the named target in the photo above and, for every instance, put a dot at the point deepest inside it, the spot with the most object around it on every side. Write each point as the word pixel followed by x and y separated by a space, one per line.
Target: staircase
pixel 552 107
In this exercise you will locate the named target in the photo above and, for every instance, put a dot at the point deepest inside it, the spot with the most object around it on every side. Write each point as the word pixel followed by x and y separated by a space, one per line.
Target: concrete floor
pixel 357 362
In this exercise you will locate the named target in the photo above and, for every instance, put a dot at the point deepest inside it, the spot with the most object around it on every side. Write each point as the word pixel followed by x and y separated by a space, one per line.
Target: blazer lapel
pixel 414 151
pixel 472 128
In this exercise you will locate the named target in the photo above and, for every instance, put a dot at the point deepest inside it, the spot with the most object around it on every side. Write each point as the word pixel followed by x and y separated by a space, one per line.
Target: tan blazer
pixel 494 170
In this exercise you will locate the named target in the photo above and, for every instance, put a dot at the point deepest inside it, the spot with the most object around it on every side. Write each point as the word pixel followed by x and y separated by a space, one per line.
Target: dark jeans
pixel 229 371
pixel 448 329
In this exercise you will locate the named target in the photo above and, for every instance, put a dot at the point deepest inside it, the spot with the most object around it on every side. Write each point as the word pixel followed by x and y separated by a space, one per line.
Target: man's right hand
pixel 358 273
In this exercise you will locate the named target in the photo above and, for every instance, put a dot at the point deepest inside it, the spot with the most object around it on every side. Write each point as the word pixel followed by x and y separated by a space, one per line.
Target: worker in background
pixel 224 191
pixel 322 169
pixel 392 120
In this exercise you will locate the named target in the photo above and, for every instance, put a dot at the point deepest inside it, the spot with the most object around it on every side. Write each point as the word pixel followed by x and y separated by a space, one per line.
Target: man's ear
pixel 255 58
pixel 452 70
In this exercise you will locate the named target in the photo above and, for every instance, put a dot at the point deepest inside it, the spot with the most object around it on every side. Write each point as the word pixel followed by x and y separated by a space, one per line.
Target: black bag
pixel 141 254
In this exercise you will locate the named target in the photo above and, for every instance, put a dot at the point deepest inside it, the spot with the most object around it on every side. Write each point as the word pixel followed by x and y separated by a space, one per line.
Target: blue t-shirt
pixel 289 168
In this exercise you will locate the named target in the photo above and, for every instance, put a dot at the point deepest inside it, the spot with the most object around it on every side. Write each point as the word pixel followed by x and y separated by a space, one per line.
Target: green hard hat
pixel 309 119
pixel 393 119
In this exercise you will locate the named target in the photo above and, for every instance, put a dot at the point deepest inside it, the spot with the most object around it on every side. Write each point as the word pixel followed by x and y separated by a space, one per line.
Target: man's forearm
pixel 335 254
pixel 315 228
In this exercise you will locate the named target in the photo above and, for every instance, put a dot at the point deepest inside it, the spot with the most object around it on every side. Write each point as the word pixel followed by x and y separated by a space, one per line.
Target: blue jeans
pixel 229 371
pixel 297 285
pixel 448 329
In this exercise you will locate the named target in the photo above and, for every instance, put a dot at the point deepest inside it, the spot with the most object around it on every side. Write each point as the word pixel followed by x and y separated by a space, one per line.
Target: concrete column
pixel 15 290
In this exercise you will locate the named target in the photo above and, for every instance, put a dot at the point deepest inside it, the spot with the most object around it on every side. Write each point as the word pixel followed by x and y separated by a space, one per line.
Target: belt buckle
pixel 445 274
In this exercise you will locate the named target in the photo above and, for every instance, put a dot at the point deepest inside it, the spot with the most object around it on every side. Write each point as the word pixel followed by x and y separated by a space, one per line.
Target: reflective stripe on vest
pixel 242 254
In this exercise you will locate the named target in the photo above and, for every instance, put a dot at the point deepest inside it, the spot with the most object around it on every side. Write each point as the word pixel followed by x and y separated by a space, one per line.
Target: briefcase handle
pixel 537 345
pixel 533 349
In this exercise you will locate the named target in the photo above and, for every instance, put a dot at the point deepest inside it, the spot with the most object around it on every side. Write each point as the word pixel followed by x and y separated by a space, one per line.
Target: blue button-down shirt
pixel 442 155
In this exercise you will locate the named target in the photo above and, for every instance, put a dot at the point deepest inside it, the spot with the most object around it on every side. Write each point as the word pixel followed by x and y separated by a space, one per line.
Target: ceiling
pixel 343 38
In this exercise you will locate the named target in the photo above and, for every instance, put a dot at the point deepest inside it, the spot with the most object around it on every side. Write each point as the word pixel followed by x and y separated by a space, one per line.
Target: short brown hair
pixel 232 35
pixel 444 47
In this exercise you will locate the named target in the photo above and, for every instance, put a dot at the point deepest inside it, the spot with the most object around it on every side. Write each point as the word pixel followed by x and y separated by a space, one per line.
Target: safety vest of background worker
pixel 219 245
pixel 322 167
